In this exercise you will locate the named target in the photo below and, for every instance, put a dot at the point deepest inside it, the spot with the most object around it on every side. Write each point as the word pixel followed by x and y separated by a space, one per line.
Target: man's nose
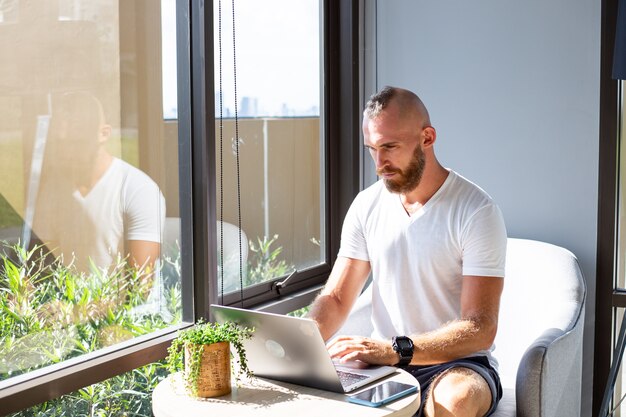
pixel 379 159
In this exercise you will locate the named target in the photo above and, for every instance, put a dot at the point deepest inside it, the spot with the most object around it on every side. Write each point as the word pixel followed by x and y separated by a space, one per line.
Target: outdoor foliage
pixel 49 312
pixel 128 394
pixel 265 263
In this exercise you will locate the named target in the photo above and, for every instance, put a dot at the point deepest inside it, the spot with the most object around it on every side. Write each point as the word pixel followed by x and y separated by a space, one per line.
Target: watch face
pixel 403 343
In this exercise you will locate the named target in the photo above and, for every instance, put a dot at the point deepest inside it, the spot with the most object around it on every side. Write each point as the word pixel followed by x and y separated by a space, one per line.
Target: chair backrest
pixel 171 237
pixel 544 291
pixel 171 244
pixel 231 255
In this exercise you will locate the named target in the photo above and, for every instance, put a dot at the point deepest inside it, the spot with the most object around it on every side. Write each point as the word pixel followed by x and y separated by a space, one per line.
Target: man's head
pixel 397 132
pixel 78 131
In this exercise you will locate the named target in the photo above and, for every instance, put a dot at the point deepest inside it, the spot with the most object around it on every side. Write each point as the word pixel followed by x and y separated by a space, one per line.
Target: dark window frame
pixel 197 191
pixel 607 297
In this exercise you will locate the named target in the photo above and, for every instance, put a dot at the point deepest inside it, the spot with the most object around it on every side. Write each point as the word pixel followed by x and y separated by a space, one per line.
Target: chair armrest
pixel 549 374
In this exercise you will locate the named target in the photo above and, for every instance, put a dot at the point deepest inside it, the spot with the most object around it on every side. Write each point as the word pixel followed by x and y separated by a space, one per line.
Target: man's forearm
pixel 328 314
pixel 455 340
pixel 332 306
pixel 473 332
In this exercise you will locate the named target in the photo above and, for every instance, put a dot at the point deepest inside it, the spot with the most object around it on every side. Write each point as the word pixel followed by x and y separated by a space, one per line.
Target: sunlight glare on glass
pixel 168 45
pixel 278 63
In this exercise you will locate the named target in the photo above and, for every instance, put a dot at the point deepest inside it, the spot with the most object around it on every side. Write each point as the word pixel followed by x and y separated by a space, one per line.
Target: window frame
pixel 607 297
pixel 197 191
pixel 342 164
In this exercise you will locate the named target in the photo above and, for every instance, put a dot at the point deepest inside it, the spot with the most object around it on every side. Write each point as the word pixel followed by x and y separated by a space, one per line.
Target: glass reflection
pixel 94 208
pixel 89 253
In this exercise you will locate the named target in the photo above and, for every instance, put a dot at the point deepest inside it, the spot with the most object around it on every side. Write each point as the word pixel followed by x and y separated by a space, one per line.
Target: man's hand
pixel 351 348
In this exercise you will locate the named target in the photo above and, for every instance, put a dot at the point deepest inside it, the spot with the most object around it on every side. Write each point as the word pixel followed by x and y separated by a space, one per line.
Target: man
pixel 93 207
pixel 435 244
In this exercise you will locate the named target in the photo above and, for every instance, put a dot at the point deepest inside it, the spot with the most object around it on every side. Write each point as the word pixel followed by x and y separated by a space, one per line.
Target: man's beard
pixel 409 177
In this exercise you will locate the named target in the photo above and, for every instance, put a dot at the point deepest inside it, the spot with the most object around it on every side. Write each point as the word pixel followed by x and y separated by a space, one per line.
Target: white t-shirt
pixel 418 261
pixel 125 204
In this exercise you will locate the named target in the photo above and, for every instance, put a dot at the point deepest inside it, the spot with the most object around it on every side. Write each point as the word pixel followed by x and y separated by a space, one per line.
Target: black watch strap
pixel 403 345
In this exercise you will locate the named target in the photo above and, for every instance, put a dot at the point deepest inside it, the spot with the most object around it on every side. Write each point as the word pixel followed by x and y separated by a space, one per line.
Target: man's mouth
pixel 387 173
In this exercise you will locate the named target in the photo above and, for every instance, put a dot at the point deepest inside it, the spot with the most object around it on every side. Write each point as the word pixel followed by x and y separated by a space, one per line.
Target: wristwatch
pixel 403 345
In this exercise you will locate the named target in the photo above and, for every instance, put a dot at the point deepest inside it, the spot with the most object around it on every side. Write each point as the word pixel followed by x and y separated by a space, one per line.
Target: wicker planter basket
pixel 214 375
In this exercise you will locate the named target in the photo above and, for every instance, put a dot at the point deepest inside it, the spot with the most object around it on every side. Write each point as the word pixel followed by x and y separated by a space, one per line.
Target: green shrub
pixel 50 312
pixel 265 263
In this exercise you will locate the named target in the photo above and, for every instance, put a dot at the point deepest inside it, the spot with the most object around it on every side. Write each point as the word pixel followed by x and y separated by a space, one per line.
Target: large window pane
pixel 89 216
pixel 279 144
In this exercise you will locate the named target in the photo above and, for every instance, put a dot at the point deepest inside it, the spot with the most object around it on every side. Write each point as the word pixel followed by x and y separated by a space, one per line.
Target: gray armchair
pixel 540 335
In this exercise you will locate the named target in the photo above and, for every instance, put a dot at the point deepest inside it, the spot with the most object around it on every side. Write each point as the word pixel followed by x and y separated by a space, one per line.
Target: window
pixel 89 190
pixel 123 395
pixel 270 183
pixel 620 273
pixel 108 68
pixel 615 309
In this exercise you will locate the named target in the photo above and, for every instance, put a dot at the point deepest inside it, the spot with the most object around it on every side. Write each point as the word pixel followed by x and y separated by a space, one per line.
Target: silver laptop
pixel 291 349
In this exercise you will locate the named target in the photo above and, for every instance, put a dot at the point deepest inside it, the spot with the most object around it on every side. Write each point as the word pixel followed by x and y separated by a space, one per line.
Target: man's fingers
pixel 351 348
pixel 342 349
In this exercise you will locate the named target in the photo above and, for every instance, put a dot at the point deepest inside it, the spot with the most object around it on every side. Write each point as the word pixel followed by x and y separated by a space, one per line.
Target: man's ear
pixel 105 133
pixel 429 136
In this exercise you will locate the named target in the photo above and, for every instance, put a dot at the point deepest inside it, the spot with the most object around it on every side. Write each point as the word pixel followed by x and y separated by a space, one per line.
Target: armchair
pixel 540 336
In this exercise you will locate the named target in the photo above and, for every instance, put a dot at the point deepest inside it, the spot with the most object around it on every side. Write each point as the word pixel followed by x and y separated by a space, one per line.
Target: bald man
pixel 92 205
pixel 435 244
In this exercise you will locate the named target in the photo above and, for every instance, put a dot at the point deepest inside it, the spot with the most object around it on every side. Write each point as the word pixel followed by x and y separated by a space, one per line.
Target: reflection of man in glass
pixel 93 206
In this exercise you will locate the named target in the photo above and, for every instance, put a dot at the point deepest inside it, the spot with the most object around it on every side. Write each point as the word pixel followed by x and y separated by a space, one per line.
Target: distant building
pixel 249 107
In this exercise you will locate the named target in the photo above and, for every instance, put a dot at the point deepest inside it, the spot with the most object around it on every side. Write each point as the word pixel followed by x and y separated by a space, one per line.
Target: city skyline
pixel 253 107
pixel 278 69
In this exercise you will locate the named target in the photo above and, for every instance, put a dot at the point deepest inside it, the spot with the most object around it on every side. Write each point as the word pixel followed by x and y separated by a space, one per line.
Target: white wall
pixel 513 90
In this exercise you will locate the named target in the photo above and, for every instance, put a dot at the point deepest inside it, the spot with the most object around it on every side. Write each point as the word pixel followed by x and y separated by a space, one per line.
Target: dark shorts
pixel 426 374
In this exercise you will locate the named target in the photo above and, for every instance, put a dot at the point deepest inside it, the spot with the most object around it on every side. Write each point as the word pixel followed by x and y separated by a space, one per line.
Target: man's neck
pixel 430 183
pixel 100 167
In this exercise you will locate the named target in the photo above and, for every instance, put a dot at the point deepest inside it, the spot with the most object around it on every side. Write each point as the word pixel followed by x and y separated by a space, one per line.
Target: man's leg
pixel 458 392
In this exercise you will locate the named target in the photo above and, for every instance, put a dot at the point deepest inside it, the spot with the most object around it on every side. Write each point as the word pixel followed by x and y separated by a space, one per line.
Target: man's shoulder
pixel 132 174
pixel 373 191
pixel 136 186
pixel 469 190
pixel 371 196
pixel 368 201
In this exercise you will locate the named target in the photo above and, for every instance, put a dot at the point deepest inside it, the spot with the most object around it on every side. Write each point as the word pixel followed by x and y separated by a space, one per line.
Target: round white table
pixel 262 397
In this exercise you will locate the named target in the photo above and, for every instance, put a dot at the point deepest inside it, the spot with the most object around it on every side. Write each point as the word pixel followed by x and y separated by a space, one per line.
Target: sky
pixel 277 56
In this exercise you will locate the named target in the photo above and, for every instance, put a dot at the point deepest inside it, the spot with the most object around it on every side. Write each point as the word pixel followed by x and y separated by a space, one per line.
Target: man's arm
pixel 474 331
pixel 344 285
pixel 142 255
pixel 144 222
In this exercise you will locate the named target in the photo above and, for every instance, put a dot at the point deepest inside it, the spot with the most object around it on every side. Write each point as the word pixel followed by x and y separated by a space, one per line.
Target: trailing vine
pixel 194 339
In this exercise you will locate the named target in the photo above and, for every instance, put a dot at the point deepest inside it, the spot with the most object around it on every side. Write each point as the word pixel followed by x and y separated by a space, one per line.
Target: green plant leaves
pixel 205 334
pixel 50 312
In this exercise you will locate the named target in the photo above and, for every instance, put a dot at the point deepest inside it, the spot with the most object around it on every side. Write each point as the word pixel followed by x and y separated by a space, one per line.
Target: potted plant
pixel 207 364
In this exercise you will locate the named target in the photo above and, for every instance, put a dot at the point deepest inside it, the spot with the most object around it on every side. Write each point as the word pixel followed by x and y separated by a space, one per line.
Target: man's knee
pixel 458 392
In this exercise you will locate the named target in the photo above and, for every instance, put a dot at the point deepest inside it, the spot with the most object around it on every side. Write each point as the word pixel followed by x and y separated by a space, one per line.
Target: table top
pixel 264 397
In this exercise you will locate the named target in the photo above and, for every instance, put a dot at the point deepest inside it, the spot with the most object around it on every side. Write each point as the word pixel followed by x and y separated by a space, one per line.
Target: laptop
pixel 291 349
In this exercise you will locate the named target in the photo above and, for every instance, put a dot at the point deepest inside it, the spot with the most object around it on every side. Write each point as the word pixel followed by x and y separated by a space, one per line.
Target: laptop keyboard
pixel 349 378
